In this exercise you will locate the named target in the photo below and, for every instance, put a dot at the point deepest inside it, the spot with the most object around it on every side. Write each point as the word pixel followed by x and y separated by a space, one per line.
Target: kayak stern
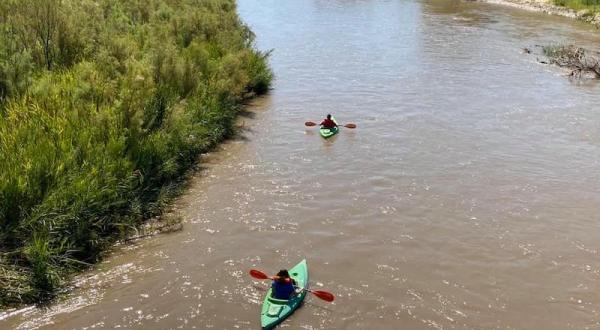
pixel 329 132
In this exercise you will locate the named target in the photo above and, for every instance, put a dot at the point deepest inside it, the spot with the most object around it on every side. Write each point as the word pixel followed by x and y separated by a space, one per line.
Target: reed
pixel 104 105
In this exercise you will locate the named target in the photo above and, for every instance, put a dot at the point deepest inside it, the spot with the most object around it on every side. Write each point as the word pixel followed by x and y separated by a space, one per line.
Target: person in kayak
pixel 328 123
pixel 284 287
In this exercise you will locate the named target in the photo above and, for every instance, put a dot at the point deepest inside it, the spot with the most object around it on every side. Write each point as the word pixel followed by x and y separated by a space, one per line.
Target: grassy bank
pixel 591 6
pixel 104 105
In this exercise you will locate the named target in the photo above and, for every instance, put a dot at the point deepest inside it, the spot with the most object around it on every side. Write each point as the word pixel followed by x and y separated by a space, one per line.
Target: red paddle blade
pixel 324 295
pixel 258 274
pixel 310 123
pixel 350 125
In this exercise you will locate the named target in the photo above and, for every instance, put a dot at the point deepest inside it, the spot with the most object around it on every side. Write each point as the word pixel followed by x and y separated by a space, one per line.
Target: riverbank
pixel 104 107
pixel 588 14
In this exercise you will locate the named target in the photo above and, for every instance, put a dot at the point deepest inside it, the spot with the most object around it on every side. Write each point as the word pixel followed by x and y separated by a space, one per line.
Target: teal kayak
pixel 274 311
pixel 329 132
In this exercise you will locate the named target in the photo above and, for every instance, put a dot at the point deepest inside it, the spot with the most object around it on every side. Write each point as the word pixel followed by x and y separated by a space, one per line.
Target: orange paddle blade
pixel 258 274
pixel 310 123
pixel 350 125
pixel 323 295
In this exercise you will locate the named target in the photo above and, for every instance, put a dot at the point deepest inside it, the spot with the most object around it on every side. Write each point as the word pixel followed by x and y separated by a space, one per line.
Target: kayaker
pixel 284 287
pixel 328 123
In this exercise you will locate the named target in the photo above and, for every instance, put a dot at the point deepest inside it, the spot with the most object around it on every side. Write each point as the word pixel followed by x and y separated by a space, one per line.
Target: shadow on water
pixel 241 133
pixel 247 114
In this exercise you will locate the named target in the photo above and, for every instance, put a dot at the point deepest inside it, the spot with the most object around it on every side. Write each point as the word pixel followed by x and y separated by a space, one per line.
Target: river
pixel 467 198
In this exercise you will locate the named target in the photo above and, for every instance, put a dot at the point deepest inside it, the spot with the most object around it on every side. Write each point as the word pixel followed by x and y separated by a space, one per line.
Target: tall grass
pixel 104 104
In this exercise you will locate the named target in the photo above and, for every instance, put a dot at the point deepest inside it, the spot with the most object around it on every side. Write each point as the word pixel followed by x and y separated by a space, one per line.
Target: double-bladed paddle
pixel 327 296
pixel 312 123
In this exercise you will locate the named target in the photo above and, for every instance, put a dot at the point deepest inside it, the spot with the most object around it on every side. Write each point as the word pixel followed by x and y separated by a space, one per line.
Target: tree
pixel 45 20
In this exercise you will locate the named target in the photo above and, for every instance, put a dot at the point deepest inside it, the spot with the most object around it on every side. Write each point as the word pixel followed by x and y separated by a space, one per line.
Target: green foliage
pixel 592 6
pixel 103 107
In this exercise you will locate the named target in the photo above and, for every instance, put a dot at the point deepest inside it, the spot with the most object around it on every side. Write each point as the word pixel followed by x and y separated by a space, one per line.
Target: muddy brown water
pixel 467 198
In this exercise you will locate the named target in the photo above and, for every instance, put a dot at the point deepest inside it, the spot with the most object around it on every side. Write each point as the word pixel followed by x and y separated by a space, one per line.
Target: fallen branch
pixel 579 60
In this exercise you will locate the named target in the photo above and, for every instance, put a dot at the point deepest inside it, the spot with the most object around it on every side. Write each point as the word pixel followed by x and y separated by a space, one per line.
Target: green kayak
pixel 329 132
pixel 274 311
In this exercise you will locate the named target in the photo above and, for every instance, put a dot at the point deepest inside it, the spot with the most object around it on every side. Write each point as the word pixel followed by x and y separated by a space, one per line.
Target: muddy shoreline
pixel 549 8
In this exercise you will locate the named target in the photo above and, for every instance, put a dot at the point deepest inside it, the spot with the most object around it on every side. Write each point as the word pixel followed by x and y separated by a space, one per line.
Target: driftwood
pixel 579 60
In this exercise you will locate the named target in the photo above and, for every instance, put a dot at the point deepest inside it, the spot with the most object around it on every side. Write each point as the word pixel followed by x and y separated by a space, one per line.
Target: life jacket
pixel 283 290
pixel 328 123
